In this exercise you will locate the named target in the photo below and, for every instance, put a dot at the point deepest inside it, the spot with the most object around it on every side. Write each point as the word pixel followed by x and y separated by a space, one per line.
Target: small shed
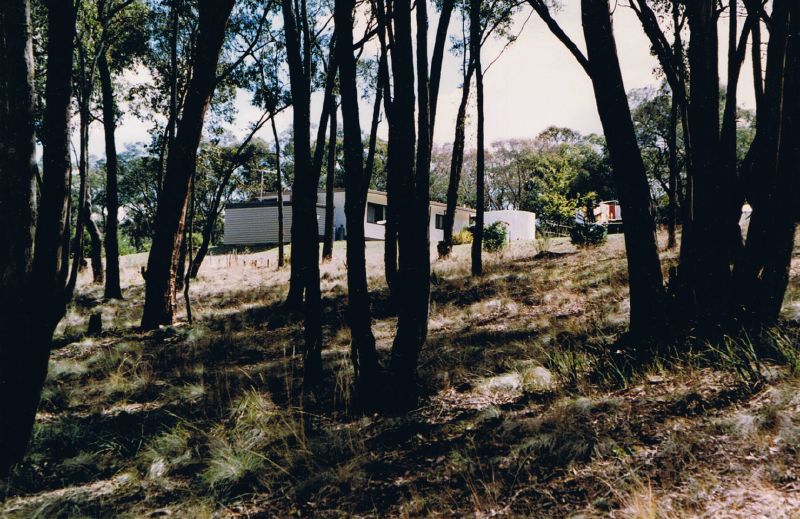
pixel 521 224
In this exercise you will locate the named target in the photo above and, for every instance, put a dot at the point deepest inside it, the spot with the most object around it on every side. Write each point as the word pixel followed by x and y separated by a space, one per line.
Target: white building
pixel 521 224
pixel 256 222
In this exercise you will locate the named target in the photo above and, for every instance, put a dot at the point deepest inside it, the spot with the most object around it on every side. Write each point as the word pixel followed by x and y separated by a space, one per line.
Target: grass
pixel 529 408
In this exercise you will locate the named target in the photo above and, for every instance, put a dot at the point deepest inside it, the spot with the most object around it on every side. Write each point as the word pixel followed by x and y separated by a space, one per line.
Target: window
pixel 439 221
pixel 375 213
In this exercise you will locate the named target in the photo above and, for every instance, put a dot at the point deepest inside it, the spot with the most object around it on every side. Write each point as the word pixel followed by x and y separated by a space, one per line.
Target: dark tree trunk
pixel 438 57
pixel 413 288
pixel 672 145
pixel 369 167
pixel 762 272
pixel 181 262
pixel 456 164
pixel 83 189
pixel 32 298
pixel 644 270
pixel 386 32
pixel 706 252
pixel 96 242
pixel 112 288
pixel 362 346
pixel 279 189
pixel 327 242
pixel 18 210
pixel 305 233
pixel 294 300
pixel 160 293
pixel 475 52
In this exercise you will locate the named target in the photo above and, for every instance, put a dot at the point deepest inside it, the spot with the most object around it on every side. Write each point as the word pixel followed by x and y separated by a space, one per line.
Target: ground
pixel 527 408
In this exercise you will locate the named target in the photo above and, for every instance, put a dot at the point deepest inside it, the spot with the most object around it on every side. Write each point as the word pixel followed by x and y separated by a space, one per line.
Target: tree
pixel 761 274
pixel 32 299
pixel 330 177
pixel 305 239
pixel 495 18
pixel 122 40
pixel 601 64
pixel 160 294
pixel 475 33
pixel 413 277
pixel 362 344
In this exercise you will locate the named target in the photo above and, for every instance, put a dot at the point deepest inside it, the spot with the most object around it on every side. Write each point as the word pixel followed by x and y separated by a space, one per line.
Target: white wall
pixel 521 224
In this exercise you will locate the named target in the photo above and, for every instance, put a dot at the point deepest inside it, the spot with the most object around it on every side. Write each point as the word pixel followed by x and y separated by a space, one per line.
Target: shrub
pixel 495 236
pixel 588 234
pixel 462 237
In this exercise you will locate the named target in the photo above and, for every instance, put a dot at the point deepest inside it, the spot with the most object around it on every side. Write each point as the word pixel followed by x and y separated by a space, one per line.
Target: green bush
pixel 495 236
pixel 462 237
pixel 587 234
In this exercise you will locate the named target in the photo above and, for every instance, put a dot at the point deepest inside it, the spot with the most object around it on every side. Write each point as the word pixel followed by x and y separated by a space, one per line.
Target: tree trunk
pixel 706 253
pixel 672 146
pixel 762 272
pixel 83 190
pixel 32 298
pixel 438 57
pixel 413 276
pixel 305 233
pixel 112 288
pixel 644 270
pixel 96 244
pixel 327 242
pixel 359 319
pixel 456 163
pixel 279 189
pixel 160 293
pixel 294 300
pixel 475 51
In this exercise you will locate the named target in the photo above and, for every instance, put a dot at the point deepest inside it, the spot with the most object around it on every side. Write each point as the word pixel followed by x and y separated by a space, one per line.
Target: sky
pixel 534 84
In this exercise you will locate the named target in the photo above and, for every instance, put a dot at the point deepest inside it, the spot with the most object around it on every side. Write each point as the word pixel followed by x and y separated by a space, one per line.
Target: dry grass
pixel 526 409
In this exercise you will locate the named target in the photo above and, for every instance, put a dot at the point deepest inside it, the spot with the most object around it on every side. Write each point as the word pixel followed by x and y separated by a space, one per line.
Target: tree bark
pixel 160 293
pixel 359 318
pixel 475 51
pixel 305 233
pixel 413 287
pixel 327 242
pixel 112 288
pixel 32 298
pixel 644 270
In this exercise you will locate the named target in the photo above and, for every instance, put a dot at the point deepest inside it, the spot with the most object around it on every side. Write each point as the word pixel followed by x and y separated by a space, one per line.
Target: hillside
pixel 528 407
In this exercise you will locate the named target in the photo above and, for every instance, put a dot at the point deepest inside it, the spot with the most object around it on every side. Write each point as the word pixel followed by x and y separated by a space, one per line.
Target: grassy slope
pixel 527 411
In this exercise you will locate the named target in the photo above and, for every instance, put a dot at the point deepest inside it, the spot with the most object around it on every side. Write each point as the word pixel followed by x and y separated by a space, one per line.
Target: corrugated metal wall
pixel 257 225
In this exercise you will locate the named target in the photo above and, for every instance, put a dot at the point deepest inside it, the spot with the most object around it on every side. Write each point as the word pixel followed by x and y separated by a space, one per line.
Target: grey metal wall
pixel 258 225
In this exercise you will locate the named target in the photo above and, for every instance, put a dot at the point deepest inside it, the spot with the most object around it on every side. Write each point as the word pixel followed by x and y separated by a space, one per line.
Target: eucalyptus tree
pixel 601 64
pixel 160 293
pixel 124 42
pixel 495 18
pixel 359 318
pixel 304 282
pixel 33 261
